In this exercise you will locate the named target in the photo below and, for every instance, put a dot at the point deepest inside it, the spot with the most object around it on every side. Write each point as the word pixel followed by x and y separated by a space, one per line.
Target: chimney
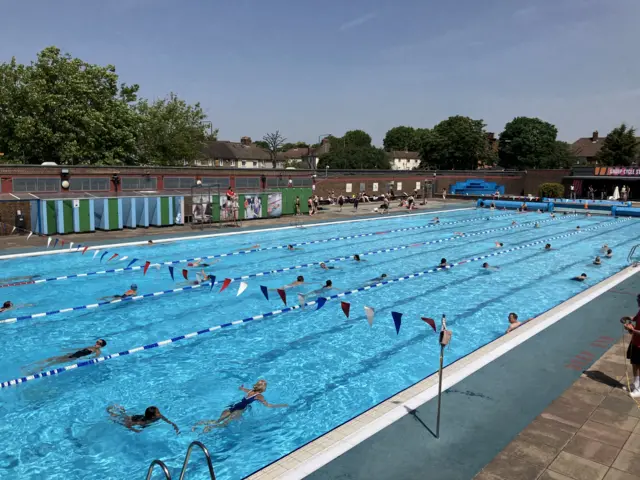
pixel 491 136
pixel 594 136
pixel 245 141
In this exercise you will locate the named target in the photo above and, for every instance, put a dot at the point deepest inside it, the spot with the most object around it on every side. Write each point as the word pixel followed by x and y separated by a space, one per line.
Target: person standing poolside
pixel 340 202
pixel 83 352
pixel 297 205
pixel 633 351
pixel 513 322
pixel 151 415
pixel 236 410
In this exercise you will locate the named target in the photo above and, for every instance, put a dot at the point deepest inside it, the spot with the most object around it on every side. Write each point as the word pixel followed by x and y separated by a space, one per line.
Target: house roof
pixel 404 154
pixel 226 150
pixel 296 153
pixel 587 147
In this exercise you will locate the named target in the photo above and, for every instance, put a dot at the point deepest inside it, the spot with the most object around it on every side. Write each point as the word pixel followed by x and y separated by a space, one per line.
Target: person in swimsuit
pixel 609 253
pixel 597 261
pixel 578 227
pixel 547 246
pixel 201 276
pixel 292 248
pixel 513 322
pixel 151 416
pixel 25 278
pixel 83 352
pixel 252 247
pixel 356 257
pixel 299 281
pixel 435 220
pixel 150 243
pixel 326 287
pixel 443 263
pixel 236 410
pixel 132 292
pixel 377 279
pixel 514 223
pixel 486 266
pixel 198 263
pixel 297 205
pixel 324 266
pixel 6 306
pixel 499 244
pixel 580 278
pixel 537 225
pixel 340 202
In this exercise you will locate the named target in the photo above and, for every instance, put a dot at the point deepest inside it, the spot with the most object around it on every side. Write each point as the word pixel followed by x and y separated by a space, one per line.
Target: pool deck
pixel 330 213
pixel 520 413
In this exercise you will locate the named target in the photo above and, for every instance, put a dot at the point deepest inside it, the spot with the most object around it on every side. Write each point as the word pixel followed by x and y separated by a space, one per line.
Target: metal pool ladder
pixel 166 472
pixel 632 253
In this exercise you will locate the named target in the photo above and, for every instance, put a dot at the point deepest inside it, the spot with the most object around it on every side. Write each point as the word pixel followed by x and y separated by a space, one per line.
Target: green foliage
pixel 289 146
pixel 64 110
pixel 405 138
pixel 356 138
pixel 561 156
pixel 262 144
pixel 529 143
pixel 355 157
pixel 458 143
pixel 551 190
pixel 620 147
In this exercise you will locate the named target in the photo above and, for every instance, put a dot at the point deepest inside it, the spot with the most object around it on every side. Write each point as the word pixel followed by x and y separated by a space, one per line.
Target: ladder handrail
pixel 632 252
pixel 164 468
pixel 196 443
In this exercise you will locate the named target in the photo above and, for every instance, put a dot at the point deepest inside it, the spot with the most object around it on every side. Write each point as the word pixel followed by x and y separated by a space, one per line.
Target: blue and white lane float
pixel 262 274
pixel 244 252
pixel 320 301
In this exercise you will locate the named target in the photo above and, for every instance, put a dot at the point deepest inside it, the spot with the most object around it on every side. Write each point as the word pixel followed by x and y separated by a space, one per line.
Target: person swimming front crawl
pixel 377 279
pixel 236 410
pixel 324 266
pixel 580 278
pixel 486 266
pixel 499 244
pixel 151 415
pixel 132 292
pixel 299 281
pixel 326 287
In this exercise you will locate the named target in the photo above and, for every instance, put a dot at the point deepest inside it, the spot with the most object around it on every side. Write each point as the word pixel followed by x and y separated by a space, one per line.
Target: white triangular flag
pixel 123 258
pixel 369 312
pixel 48 242
pixel 29 236
pixel 70 245
pixel 13 230
pixel 301 300
pixel 243 286
pixel 95 253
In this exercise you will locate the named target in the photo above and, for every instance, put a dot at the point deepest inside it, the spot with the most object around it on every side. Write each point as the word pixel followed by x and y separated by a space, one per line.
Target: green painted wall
pixel 67 212
pixel 113 214
pixel 164 211
pixel 84 213
pixel 51 217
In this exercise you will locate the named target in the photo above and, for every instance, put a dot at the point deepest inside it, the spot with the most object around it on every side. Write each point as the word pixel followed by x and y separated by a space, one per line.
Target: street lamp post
pixel 326 171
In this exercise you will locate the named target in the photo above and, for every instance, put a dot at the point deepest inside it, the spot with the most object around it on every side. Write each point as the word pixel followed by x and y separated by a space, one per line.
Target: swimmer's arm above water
pixel 175 427
pixel 263 401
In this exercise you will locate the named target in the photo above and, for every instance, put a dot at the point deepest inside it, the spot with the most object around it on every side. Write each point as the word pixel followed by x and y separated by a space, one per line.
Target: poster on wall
pixel 274 209
pixel 201 208
pixel 375 187
pixel 252 207
pixel 228 208
pixel 347 188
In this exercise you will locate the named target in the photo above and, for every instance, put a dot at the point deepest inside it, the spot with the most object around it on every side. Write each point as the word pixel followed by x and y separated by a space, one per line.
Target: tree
pixel 352 157
pixel 61 109
pixel 527 143
pixel 262 144
pixel 400 138
pixel 274 142
pixel 456 143
pixel 172 132
pixel 561 156
pixel 620 147
pixel 356 138
pixel 289 146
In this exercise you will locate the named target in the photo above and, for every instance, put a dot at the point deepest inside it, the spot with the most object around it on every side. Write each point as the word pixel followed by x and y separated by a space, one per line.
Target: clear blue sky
pixel 310 67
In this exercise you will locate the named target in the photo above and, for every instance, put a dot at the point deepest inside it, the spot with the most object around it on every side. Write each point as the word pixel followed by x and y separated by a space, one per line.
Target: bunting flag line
pixel 321 301
pixel 95 253
pixel 265 291
pixel 212 279
pixel 112 257
pixel 70 245
pixel 84 250
pixel 171 273
pixel 13 230
pixel 55 244
pixel 123 258
pixel 283 295
pixel 62 242
pixel 78 247
pixel 430 321
pixel 225 284
pixel 103 255
pixel 146 267
pixel 185 273
pixel 48 242
pixel 369 312
pixel 397 320
pixel 346 306
pixel 131 262
pixel 243 286
pixel 29 236
pixel 301 300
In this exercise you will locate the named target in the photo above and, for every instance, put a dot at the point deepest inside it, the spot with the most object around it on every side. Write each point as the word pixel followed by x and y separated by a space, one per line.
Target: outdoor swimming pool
pixel 326 367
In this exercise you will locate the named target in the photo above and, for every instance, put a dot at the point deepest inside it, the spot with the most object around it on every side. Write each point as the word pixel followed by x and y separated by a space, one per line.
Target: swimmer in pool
pixel 553 215
pixel 580 278
pixel 609 253
pixel 325 288
pixel 538 211
pixel 435 220
pixel 199 263
pixel 514 223
pixel 150 243
pixel 486 266
pixel 578 227
pixel 291 248
pixel 377 279
pixel 499 244
pixel 356 257
pixel 324 266
pixel 26 278
pixel 604 248
pixel 151 416
pixel 299 281
pixel 547 246
pixel 459 233
pixel 201 276
pixel 252 247
pixel 236 410
pixel 597 261
pixel 537 225
pixel 443 263
pixel 6 306
pixel 83 352
pixel 132 292
pixel 513 322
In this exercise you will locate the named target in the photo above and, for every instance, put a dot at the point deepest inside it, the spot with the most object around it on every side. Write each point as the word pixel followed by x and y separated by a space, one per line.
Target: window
pixel 398 187
pixel 247 182
pixel 255 164
pixel 302 182
pixel 244 163
pixel 77 184
pixel 36 184
pixel 214 182
pixel 139 183
pixel 362 187
pixel 179 182
pixel 276 182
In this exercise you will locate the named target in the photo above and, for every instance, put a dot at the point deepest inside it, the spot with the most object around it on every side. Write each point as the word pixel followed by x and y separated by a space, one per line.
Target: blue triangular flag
pixel 265 291
pixel 321 301
pixel 103 256
pixel 55 243
pixel 397 320
pixel 132 262
pixel 79 246
pixel 212 279
pixel 171 273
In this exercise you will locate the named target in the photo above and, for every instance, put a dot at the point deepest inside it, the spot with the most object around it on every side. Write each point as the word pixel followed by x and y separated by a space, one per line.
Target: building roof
pixel 298 153
pixel 226 150
pixel 404 154
pixel 587 146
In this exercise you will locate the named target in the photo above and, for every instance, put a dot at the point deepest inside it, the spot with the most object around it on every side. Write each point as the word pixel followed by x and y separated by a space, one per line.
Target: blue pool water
pixel 326 367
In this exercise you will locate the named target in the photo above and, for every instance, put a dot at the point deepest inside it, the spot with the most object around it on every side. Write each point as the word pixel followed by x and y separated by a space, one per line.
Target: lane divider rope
pixel 244 252
pixel 164 343
pixel 259 274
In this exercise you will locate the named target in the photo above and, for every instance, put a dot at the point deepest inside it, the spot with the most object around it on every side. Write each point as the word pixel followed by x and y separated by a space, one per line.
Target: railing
pixel 632 253
pixel 161 464
pixel 183 472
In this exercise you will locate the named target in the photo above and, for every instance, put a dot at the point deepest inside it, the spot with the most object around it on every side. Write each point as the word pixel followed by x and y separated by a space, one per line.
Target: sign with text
pixel 618 171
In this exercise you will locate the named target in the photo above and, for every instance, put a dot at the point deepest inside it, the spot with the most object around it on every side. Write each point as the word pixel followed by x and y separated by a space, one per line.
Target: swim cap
pixel 134 287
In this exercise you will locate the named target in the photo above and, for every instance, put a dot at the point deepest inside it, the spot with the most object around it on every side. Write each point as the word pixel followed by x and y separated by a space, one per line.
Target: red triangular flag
pixel 283 295
pixel 185 273
pixel 345 308
pixel 146 267
pixel 114 256
pixel 431 322
pixel 84 250
pixel 61 243
pixel 225 284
